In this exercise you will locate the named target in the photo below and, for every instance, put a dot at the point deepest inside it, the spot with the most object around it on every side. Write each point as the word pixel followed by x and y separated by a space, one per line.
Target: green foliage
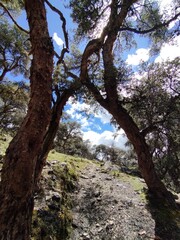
pixel 13 106
pixel 13 5
pixel 155 107
pixel 105 153
pixel 69 140
pixel 4 142
pixel 86 14
pixel 14 48
pixel 77 162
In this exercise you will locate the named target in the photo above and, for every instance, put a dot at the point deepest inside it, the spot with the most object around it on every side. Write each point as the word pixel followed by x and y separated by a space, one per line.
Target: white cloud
pixel 102 114
pixel 141 55
pixel 58 40
pixel 168 9
pixel 106 138
pixel 77 107
pixel 87 124
pixel 169 51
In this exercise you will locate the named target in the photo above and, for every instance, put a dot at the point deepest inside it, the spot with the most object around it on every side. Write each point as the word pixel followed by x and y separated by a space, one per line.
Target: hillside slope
pixel 84 200
pixel 80 199
pixel 107 207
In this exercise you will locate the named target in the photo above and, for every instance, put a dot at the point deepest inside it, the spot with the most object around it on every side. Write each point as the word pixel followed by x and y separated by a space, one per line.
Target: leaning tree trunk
pixel 17 185
pixel 146 166
pixel 51 133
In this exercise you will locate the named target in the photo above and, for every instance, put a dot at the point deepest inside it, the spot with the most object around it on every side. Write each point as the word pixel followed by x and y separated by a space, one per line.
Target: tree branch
pixel 139 31
pixel 17 25
pixel 65 49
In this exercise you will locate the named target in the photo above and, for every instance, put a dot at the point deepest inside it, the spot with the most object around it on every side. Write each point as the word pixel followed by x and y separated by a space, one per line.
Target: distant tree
pixel 69 140
pixel 106 153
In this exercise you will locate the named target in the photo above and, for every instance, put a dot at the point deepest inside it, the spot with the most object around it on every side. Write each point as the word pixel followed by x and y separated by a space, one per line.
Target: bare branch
pixel 65 49
pixel 17 25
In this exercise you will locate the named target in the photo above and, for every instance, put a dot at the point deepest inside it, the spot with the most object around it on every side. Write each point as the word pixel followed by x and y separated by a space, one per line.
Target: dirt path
pixel 106 208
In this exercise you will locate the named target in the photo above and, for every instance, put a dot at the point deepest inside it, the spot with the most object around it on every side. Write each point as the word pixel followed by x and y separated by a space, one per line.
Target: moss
pixel 47 223
pixel 56 222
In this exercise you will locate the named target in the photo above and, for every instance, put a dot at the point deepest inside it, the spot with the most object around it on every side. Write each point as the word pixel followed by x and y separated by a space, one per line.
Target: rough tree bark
pixel 17 185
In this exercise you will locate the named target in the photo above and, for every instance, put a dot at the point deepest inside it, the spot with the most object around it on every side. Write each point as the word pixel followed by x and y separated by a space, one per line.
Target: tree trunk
pixel 17 185
pixel 146 166
pixel 111 101
pixel 51 133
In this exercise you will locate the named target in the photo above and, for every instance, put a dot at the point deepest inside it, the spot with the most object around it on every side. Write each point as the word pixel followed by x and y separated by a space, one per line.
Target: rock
pixel 97 194
pixel 53 177
pixel 142 232
pixel 50 172
pixel 86 236
pixel 54 162
pixel 84 177
pixel 56 197
pixel 108 178
pixel 63 164
pixel 54 207
pixel 141 180
pixel 1 158
pixel 48 197
pixel 100 229
pixel 119 185
pixel 110 222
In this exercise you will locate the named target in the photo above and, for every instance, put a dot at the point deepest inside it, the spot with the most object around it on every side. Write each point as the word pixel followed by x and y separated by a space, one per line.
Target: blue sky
pixel 97 128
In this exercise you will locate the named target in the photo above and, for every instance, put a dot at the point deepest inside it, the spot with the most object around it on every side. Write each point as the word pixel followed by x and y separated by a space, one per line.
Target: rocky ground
pixel 107 208
pixel 84 200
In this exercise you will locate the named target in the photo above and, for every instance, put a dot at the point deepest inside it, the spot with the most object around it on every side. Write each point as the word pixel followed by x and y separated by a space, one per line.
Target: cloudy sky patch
pixel 141 55
pixel 75 109
pixel 107 138
pixel 169 51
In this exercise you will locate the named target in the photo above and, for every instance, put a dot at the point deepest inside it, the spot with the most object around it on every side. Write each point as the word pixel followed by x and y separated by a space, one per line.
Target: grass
pixel 135 182
pixel 76 163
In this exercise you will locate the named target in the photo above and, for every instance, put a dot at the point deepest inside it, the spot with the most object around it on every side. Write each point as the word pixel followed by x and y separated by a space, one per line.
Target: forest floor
pixel 87 200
